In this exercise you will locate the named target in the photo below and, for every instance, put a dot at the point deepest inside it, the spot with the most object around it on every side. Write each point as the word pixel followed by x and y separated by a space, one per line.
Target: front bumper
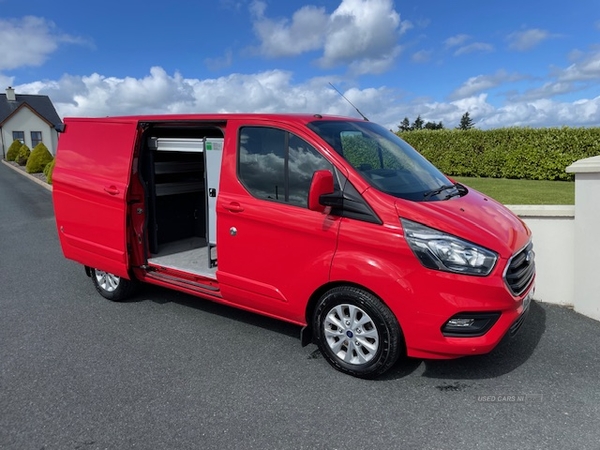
pixel 430 342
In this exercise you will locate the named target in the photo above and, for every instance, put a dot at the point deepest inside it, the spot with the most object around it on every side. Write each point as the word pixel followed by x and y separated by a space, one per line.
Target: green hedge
pixel 522 153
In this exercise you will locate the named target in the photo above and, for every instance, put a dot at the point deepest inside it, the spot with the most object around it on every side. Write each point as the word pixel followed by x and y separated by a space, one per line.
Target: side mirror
pixel 322 183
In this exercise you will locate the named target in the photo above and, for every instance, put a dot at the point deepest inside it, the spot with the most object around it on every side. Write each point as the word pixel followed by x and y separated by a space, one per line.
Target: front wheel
pixel 111 286
pixel 356 333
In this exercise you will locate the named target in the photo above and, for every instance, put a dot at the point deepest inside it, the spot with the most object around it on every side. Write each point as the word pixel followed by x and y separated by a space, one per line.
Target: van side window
pixel 277 165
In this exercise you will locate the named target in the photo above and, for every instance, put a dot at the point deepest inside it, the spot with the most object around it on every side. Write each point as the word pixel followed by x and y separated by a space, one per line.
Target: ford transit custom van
pixel 331 223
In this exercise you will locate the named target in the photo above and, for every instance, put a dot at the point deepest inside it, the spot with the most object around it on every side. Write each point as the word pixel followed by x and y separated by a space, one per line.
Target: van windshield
pixel 385 161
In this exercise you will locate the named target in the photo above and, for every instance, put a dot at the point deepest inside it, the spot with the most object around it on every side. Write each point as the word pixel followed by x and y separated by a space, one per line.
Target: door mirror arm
pixel 334 199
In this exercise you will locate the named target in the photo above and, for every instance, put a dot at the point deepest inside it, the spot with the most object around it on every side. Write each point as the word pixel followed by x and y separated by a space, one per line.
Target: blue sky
pixel 508 63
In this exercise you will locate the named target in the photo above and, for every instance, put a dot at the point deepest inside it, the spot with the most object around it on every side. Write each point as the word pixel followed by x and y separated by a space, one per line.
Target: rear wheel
pixel 111 286
pixel 356 332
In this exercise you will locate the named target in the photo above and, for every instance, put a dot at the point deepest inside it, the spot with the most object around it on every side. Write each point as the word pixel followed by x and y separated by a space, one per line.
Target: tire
pixel 112 287
pixel 356 332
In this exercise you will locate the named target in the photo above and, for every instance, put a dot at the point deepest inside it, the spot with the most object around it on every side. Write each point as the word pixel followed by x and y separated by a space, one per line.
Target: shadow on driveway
pixel 160 295
pixel 506 357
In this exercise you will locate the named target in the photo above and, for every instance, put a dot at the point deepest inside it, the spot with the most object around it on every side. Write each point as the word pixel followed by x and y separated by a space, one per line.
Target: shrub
pixel 13 150
pixel 48 170
pixel 23 155
pixel 522 153
pixel 40 156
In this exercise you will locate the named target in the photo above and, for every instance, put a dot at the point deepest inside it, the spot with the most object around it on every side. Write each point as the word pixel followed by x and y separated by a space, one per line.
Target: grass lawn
pixel 523 192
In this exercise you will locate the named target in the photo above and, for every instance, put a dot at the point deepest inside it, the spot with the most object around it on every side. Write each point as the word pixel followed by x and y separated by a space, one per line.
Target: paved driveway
pixel 168 371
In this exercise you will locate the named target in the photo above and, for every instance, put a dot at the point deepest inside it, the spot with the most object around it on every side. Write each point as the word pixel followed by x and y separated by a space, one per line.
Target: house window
pixel 19 136
pixel 36 138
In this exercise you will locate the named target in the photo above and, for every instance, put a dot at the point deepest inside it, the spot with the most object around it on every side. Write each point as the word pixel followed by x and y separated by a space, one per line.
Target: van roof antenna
pixel 357 110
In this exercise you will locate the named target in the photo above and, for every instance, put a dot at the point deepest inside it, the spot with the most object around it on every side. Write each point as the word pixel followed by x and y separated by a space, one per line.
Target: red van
pixel 331 223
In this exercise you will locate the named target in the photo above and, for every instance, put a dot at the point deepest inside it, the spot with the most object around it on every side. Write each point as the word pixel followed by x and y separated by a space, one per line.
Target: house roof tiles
pixel 41 104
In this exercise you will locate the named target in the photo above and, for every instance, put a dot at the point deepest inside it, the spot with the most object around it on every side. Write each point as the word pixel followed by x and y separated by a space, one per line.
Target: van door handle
pixel 234 207
pixel 112 190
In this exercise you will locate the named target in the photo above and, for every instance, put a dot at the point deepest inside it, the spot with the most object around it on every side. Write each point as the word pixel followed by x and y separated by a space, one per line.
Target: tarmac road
pixel 169 371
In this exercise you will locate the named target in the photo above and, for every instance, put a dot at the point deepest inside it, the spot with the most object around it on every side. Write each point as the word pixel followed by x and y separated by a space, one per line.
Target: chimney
pixel 10 94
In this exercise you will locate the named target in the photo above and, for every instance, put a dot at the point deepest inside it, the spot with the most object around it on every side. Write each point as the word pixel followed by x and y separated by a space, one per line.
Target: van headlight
pixel 442 251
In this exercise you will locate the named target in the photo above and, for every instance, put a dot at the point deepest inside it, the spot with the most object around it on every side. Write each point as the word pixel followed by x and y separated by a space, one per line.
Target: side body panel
pixel 90 183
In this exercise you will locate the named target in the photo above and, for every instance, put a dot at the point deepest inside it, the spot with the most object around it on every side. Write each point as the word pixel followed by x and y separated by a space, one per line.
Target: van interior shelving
pixel 179 167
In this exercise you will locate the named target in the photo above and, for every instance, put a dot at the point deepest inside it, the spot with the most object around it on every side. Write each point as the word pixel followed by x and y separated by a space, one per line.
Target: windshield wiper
pixel 460 191
pixel 438 191
pixel 452 194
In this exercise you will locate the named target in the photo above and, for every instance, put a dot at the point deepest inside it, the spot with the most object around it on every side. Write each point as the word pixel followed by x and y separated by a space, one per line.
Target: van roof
pixel 220 117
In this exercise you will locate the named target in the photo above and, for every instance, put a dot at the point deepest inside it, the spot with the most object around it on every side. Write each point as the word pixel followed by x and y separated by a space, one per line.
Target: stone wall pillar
pixel 587 236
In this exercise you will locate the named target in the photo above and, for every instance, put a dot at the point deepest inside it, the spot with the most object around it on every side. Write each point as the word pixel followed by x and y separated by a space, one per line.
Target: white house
pixel 30 119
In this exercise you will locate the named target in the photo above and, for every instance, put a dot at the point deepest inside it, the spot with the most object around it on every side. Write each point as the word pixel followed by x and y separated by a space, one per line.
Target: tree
pixel 466 123
pixel 434 126
pixel 404 125
pixel 418 123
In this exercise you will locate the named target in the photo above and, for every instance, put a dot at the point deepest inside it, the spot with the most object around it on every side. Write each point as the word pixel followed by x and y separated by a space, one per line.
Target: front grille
pixel 520 270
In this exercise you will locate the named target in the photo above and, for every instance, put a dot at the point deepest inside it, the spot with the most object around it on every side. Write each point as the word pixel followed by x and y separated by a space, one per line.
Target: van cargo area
pixel 179 168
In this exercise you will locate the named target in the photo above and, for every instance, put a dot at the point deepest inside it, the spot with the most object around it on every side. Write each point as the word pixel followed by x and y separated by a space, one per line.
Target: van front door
pixel 273 252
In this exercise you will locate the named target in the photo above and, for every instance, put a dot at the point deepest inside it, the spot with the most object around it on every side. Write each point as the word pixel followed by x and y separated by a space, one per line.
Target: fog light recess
pixel 469 324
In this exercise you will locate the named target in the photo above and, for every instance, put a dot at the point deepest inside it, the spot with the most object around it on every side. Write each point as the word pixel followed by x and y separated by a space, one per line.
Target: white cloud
pixel 548 90
pixel 29 41
pixel 374 65
pixel 258 8
pixel 221 62
pixel 535 106
pixel 449 113
pixel 232 5
pixel 474 47
pixel 474 85
pixel 361 29
pixel 360 33
pixel 457 40
pixel 289 38
pixel 546 113
pixel 575 55
pixel 538 113
pixel 405 25
pixel 275 91
pixel 588 68
pixel 460 41
pixel 161 93
pixel 527 39
pixel 6 81
pixel 421 56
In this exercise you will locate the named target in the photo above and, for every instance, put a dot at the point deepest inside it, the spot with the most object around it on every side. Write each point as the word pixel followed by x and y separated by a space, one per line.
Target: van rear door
pixel 90 182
